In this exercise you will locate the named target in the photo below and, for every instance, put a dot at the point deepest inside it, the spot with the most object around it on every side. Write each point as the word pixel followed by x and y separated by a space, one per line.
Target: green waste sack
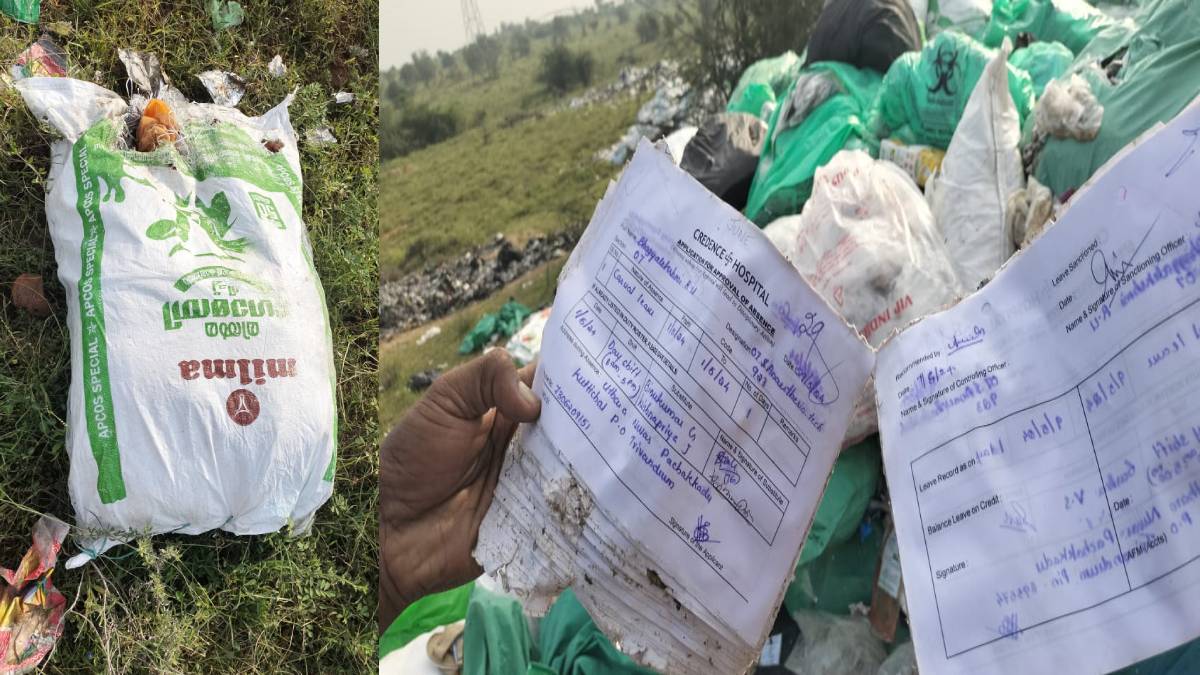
pixel 497 640
pixel 225 13
pixel 424 615
pixel 966 16
pixel 824 112
pixel 926 92
pixel 1074 23
pixel 25 11
pixel 504 323
pixel 1044 61
pixel 764 82
pixel 1160 78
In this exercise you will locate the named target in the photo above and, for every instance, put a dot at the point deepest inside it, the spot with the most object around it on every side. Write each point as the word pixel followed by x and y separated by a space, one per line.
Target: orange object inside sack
pixel 157 126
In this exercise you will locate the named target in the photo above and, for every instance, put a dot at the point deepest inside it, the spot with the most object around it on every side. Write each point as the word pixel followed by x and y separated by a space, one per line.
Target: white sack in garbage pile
pixel 202 377
pixel 982 169
pixel 867 242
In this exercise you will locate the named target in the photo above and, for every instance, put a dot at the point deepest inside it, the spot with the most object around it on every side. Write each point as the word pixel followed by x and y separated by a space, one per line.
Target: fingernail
pixel 527 393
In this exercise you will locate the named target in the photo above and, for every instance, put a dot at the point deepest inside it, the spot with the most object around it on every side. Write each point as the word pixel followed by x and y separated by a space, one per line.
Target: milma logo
pixel 242 407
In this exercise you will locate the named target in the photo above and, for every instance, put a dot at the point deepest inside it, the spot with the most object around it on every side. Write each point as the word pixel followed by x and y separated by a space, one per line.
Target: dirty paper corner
pixel 695 394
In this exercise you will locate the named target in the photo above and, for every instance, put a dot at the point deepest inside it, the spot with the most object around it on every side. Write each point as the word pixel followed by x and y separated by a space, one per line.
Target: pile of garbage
pixel 435 291
pixel 899 162
pixel 631 81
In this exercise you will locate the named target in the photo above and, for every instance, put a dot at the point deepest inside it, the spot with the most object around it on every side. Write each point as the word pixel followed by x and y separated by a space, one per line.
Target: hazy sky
pixel 406 26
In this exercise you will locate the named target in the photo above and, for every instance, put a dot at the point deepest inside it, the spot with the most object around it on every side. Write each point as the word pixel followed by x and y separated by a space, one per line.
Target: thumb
pixel 490 381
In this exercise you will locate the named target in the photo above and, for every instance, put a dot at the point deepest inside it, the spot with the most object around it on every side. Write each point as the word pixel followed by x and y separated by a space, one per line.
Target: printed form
pixel 699 388
pixel 1042 438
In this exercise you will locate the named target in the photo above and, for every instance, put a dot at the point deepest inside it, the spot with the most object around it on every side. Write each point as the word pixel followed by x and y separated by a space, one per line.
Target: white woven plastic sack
pixel 982 169
pixel 866 241
pixel 202 378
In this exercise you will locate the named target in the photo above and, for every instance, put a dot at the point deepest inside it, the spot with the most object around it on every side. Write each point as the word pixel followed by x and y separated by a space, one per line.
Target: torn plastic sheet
pixel 276 67
pixel 343 97
pixel 31 608
pixel 144 70
pixel 224 87
pixel 320 136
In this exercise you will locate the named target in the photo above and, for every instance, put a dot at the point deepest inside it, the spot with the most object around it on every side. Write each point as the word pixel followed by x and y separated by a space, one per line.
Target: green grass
pixel 401 356
pixel 535 177
pixel 517 92
pixel 215 602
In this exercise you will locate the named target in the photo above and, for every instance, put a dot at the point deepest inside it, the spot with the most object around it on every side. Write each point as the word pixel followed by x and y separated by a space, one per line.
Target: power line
pixel 472 21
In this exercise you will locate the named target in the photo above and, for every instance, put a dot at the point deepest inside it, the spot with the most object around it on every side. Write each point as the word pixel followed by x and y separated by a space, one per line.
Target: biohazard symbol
pixel 943 67
pixel 242 406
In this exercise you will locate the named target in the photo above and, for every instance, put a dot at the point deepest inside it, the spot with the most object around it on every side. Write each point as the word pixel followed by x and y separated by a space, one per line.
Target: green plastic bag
pixel 927 91
pixel 764 81
pixel 505 322
pixel 497 640
pixel 1074 23
pixel 803 137
pixel 225 13
pixel 25 11
pixel 1044 61
pixel 1161 76
pixel 424 615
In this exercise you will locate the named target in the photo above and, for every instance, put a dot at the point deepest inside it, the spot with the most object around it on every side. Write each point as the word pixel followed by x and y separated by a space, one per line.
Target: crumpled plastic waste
pixel 343 97
pixel 157 126
pixel 662 114
pixel 1029 211
pixel 43 58
pixel 145 71
pixel 25 11
pixel 526 343
pixel 1069 109
pixel 902 661
pixel 503 323
pixel 31 608
pixel 226 14
pixel 225 88
pixel 276 67
pixel 832 645
pixel 320 136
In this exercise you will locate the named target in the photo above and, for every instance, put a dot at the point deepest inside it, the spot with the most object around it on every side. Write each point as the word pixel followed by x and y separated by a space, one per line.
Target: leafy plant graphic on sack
pixel 212 219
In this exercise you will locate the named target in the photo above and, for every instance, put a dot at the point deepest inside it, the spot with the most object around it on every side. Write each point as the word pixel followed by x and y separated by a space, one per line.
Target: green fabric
pixel 1161 76
pixel 1044 61
pixel 497 640
pixel 798 144
pixel 424 615
pixel 505 322
pixel 837 568
pixel 1074 23
pixel 927 91
pixel 25 11
pixel 764 81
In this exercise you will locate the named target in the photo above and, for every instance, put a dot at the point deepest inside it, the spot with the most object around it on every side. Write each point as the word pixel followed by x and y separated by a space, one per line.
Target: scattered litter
pixel 982 168
pixel 225 88
pixel 28 294
pixel 343 97
pixel 276 67
pixel 1068 109
pixel 526 343
pixel 43 58
pixel 492 326
pixel 144 71
pixel 902 661
pixel 434 292
pixel 31 608
pixel 225 14
pixel 918 161
pixel 157 126
pixel 422 380
pixel 226 254
pixel 724 153
pixel 320 136
pixel 429 334
pixel 25 11
pixel 662 114
pixel 833 645
pixel 631 81
pixel 1029 211
pixel 678 140
pixel 60 28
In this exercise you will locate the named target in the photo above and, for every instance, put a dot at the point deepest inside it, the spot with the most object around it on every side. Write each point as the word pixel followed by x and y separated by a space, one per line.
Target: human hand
pixel 438 470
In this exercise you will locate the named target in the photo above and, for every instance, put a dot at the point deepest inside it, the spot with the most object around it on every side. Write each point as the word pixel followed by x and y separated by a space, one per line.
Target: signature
pixel 974 338
pixel 1103 272
pixel 1017 520
pixel 728 468
pixel 1187 153
pixel 1009 627
pixel 809 363
pixel 700 535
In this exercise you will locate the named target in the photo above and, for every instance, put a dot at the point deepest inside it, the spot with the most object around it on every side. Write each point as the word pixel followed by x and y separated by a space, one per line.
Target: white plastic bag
pixel 982 169
pixel 866 241
pixel 1069 109
pixel 202 376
